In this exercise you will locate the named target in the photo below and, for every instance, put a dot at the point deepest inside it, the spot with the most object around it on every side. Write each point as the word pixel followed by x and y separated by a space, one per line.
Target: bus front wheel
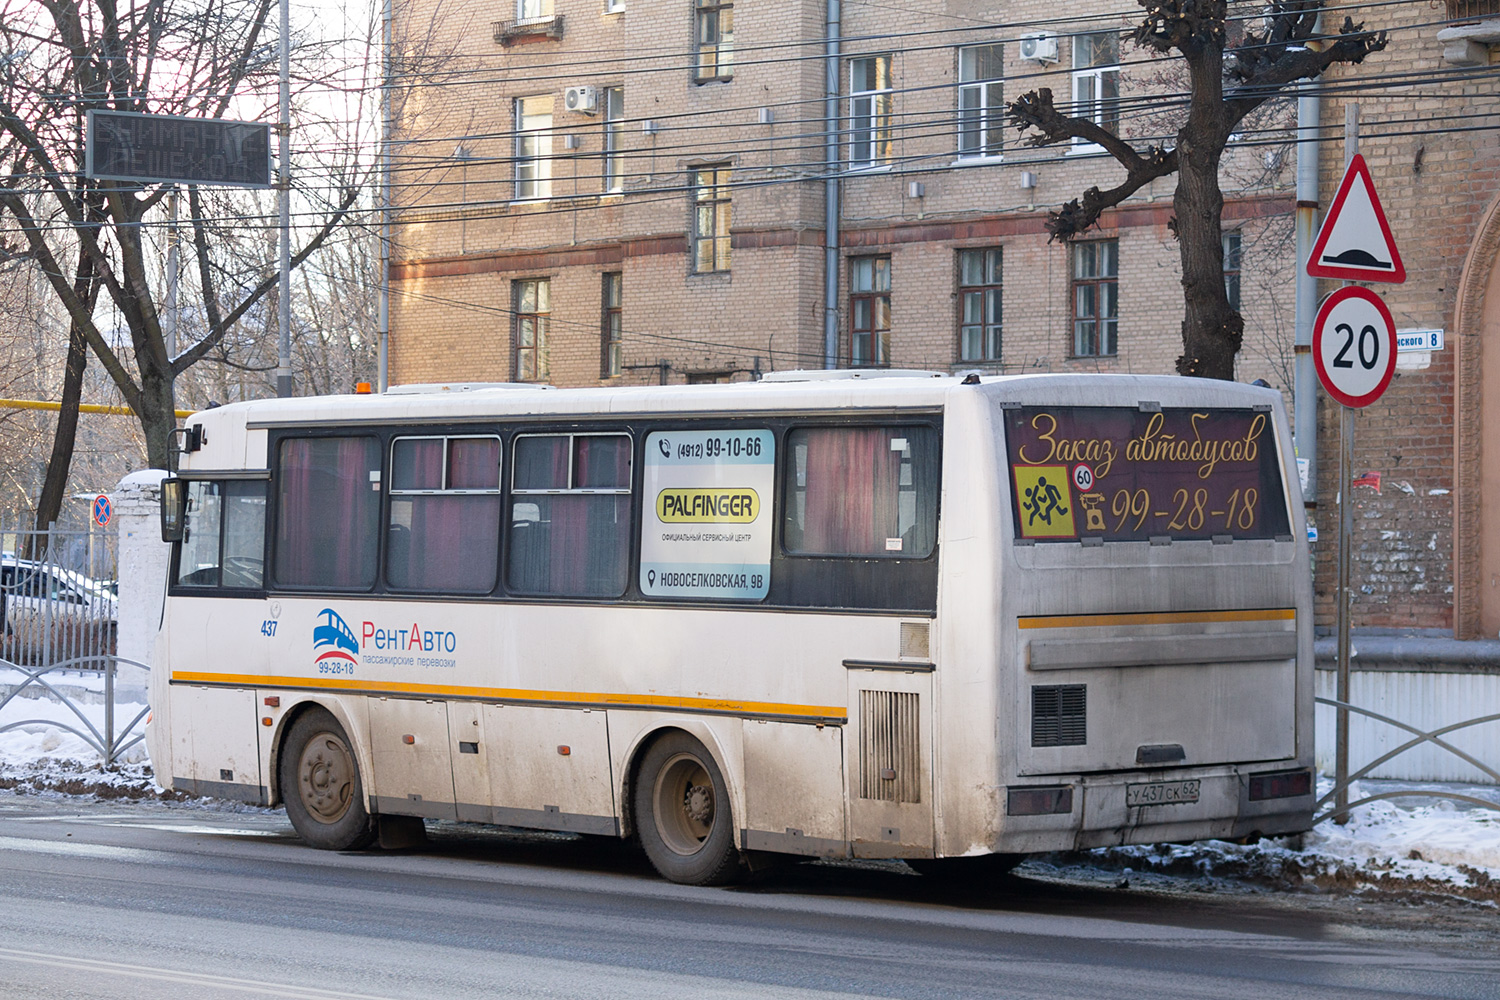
pixel 683 815
pixel 321 787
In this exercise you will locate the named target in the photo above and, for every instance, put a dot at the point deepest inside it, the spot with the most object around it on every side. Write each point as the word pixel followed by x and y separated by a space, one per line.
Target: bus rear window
pixel 862 491
pixel 1121 474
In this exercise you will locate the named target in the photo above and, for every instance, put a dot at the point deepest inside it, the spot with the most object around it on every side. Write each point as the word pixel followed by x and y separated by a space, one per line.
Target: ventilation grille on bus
pixel 890 767
pixel 914 640
pixel 1059 715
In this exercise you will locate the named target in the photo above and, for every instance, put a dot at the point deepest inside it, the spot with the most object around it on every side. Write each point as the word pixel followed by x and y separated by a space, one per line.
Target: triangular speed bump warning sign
pixel 1355 241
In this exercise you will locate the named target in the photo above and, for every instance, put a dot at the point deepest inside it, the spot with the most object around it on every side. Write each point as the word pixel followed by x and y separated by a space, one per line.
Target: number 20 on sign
pixel 1354 346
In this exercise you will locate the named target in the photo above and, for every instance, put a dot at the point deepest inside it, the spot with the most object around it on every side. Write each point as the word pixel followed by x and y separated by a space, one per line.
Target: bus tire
pixel 972 871
pixel 320 783
pixel 682 813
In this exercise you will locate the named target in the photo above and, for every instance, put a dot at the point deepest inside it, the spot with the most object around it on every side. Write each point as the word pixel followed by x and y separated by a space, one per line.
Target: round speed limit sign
pixel 1354 346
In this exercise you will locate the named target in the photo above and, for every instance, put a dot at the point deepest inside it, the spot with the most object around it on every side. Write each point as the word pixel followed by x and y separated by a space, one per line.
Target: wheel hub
pixel 699 804
pixel 326 778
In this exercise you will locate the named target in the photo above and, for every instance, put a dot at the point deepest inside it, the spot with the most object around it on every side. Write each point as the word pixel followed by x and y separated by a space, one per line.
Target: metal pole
pixel 172 269
pixel 383 375
pixel 284 205
pixel 1305 384
pixel 831 209
pixel 1346 530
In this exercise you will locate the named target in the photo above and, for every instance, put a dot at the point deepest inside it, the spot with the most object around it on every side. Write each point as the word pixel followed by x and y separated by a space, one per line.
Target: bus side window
pixel 570 515
pixel 327 512
pixel 444 532
pixel 862 491
pixel 198 560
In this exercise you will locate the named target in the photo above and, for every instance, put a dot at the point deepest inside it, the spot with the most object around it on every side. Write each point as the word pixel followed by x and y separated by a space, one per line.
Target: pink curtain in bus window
pixel 454 539
pixel 326 524
pixel 852 485
pixel 585 537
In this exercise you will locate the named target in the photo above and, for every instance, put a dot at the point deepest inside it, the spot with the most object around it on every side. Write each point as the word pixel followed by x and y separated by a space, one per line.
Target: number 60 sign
pixel 1354 346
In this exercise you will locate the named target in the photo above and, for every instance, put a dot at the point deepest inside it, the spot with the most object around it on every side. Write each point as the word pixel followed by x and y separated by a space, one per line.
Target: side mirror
pixel 173 509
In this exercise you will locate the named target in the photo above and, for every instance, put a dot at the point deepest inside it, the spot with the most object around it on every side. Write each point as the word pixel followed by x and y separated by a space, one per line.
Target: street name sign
pixel 1419 340
pixel 1355 241
pixel 171 149
pixel 1354 346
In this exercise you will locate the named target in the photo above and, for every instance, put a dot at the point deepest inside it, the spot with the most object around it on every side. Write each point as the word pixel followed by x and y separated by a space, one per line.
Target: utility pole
pixel 284 206
pixel 383 380
pixel 1346 532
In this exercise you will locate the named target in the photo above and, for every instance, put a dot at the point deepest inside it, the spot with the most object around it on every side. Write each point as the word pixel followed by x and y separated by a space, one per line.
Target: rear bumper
pixel 1101 817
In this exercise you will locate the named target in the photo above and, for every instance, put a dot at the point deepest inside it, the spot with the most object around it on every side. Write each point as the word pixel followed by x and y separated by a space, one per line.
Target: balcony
pixel 1472 10
pixel 529 29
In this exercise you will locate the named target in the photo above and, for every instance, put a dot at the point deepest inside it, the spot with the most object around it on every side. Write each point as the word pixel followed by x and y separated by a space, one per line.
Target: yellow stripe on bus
pixel 1158 618
pixel 723 705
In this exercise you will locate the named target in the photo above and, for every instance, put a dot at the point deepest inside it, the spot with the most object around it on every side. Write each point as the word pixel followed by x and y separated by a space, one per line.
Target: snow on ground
pixel 1405 846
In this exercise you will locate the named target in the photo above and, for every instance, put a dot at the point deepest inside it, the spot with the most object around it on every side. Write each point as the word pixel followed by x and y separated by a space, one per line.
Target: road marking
pixel 74 963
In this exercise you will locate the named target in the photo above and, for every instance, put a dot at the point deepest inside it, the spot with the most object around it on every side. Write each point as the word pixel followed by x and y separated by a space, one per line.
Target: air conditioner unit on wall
pixel 1040 48
pixel 582 100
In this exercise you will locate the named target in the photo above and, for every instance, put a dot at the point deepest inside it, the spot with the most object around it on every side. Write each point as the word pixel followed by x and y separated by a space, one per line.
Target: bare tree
pixel 60 59
pixel 1225 83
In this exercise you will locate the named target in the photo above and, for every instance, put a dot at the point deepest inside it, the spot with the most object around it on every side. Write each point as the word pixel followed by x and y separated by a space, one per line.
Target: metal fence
pixel 83 696
pixel 58 595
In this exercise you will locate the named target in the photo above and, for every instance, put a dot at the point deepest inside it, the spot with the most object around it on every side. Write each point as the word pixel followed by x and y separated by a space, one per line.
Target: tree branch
pixel 218 329
pixel 1288 52
pixel 1036 110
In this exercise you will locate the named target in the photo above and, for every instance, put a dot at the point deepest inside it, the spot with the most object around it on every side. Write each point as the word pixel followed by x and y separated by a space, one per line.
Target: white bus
pixel 871 615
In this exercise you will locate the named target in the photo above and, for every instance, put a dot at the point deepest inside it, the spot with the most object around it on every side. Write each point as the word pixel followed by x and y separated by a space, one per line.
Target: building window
pixel 1096 82
pixel 979 305
pixel 533 306
pixel 869 311
pixel 1096 298
pixel 614 116
pixel 1232 269
pixel 533 147
pixel 981 119
pixel 711 213
pixel 570 515
pixel 444 530
pixel 327 513
pixel 715 40
pixel 533 10
pixel 869 111
pixel 870 492
pixel 614 6
pixel 612 361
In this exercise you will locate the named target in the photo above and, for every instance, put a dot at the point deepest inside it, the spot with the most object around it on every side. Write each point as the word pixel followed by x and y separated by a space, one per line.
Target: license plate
pixel 1162 793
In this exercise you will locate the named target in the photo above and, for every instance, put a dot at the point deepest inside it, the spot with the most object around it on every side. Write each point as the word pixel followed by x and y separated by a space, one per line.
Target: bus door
pixel 889 748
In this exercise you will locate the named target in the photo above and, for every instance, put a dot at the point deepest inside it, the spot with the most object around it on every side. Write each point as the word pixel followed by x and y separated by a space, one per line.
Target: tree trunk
pixel 1211 330
pixel 55 486
pixel 158 415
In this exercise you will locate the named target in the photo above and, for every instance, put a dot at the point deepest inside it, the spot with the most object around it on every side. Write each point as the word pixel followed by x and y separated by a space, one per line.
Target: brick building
pixel 597 190
pixel 1427 546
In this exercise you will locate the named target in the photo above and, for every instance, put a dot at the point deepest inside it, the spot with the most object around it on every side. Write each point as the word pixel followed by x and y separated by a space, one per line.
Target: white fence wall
pixel 1425 699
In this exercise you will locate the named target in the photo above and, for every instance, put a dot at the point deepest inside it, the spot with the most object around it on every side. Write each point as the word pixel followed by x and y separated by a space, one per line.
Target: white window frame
pixel 988 97
pixel 533 150
pixel 534 11
pixel 870 116
pixel 1097 76
pixel 613 106
pixel 614 6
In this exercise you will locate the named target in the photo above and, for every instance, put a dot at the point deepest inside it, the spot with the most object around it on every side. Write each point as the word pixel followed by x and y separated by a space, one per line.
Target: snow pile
pixel 1409 846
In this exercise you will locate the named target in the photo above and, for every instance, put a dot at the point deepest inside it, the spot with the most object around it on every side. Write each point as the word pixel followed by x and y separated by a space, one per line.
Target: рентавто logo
pixel 334 642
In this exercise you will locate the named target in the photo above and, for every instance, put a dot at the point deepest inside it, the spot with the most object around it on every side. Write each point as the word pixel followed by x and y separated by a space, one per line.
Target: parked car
pixel 54 614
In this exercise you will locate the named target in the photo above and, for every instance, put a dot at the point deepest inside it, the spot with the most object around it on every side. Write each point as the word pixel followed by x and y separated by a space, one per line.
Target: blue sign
pixel 103 510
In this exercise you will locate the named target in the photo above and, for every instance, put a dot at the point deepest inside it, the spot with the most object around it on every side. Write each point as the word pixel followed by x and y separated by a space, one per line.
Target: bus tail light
pixel 1280 785
pixel 1057 799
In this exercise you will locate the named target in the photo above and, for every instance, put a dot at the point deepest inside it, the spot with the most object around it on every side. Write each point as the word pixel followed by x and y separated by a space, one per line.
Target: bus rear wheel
pixel 320 783
pixel 683 815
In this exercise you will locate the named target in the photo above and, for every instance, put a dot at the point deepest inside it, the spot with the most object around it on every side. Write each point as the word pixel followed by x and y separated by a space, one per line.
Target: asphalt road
pixel 124 900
